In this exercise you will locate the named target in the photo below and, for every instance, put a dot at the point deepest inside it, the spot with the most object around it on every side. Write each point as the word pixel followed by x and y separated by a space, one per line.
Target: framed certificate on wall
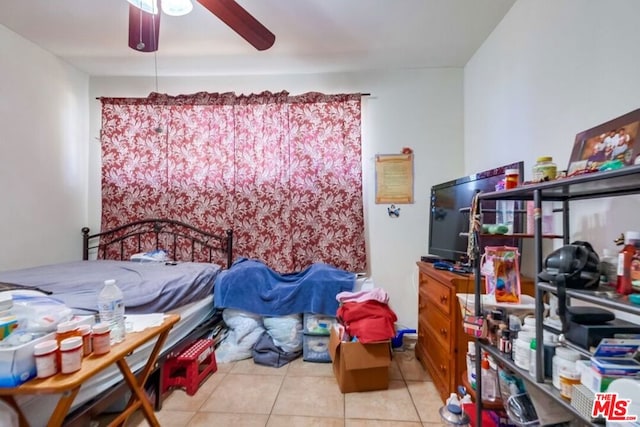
pixel 394 178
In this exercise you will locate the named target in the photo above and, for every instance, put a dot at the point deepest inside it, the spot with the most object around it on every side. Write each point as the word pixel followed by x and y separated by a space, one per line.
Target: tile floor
pixel 302 394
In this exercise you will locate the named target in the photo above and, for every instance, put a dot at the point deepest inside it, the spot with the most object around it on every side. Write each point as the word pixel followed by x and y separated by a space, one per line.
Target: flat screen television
pixel 449 214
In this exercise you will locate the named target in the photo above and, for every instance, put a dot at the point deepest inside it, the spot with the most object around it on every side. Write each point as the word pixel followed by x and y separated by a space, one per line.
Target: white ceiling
pixel 311 35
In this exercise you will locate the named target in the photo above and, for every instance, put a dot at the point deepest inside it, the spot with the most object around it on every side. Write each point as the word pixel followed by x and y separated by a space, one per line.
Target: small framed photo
pixel 611 145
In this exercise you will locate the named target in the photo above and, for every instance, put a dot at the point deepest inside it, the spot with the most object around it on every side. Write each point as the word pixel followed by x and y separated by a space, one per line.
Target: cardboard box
pixel 360 367
pixel 597 382
pixel 616 357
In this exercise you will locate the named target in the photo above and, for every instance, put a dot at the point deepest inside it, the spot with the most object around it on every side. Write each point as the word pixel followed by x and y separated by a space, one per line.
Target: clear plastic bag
pixel 500 266
pixel 39 313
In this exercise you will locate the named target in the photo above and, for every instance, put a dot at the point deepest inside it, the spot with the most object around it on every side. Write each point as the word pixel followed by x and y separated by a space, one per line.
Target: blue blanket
pixel 252 286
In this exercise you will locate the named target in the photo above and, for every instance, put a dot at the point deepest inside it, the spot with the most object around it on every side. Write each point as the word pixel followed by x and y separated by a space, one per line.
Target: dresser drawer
pixel 440 295
pixel 423 300
pixel 440 357
pixel 440 327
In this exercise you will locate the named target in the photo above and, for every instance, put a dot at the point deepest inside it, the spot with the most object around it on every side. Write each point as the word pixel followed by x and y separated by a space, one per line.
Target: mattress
pixel 38 408
pixel 147 287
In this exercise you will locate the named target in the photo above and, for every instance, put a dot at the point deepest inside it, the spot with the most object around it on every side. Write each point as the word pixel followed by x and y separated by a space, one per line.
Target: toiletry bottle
pixel 488 381
pixel 471 363
pixel 625 256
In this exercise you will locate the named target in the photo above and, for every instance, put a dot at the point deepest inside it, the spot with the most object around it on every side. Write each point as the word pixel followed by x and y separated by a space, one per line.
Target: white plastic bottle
pixel 489 383
pixel 111 308
pixel 609 262
pixel 471 363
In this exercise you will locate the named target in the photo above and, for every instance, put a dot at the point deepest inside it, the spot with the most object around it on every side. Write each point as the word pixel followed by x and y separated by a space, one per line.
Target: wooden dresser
pixel 442 344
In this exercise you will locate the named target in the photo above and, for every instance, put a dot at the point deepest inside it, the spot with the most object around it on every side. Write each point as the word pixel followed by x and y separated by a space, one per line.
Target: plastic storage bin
pixel 318 324
pixel 315 348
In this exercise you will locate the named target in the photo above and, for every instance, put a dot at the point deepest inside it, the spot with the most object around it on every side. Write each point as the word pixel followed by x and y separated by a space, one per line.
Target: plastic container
pixel 547 218
pixel 522 349
pixel 471 363
pixel 511 178
pixel 101 338
pixel 6 304
pixel 111 308
pixel 609 262
pixel 550 345
pixel 452 415
pixel 567 380
pixel 70 355
pixel 532 357
pixel 67 330
pixel 505 214
pixel 396 342
pixel 544 169
pixel 489 382
pixel 529 324
pixel 564 361
pixel 625 257
pixel 46 356
pixel 85 333
pixel 504 342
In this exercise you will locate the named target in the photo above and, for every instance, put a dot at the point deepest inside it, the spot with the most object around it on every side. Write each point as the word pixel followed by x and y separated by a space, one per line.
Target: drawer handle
pixel 443 368
pixel 443 332
pixel 443 299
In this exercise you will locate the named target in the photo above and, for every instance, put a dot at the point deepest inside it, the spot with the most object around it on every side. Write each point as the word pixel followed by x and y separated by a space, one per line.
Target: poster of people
pixel 611 145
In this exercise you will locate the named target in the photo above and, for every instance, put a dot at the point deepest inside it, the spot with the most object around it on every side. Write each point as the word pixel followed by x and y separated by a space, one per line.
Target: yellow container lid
pixel 544 159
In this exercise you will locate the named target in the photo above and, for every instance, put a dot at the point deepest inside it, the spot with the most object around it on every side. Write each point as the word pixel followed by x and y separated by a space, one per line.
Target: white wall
pixel 550 70
pixel 44 124
pixel 421 109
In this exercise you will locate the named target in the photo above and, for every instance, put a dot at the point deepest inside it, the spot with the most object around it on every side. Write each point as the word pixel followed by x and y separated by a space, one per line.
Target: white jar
pixel 564 362
pixel 529 324
pixel 100 339
pixel 522 349
pixel 46 355
pixel 70 355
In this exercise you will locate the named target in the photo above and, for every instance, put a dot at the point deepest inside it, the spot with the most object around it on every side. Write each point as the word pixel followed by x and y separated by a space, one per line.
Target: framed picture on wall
pixel 611 145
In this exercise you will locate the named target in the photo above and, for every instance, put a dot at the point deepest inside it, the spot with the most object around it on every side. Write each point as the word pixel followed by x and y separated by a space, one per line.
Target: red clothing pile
pixel 368 320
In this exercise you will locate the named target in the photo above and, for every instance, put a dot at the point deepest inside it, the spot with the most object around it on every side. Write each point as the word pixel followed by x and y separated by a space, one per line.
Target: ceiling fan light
pixel 149 6
pixel 177 7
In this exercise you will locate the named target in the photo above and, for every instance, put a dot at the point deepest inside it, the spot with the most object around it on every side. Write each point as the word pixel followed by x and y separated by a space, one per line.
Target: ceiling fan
pixel 144 21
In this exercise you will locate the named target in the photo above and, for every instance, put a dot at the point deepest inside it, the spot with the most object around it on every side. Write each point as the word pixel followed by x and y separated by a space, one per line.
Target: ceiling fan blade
pixel 242 22
pixel 144 29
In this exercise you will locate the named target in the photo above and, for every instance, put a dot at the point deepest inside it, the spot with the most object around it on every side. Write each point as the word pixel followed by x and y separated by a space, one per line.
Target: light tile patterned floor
pixel 302 394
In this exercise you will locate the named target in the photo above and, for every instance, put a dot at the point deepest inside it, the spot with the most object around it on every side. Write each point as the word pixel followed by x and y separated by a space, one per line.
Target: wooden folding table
pixel 68 385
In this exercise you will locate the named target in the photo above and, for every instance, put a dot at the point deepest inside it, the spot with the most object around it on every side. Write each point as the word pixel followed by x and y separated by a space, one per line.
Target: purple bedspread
pixel 147 287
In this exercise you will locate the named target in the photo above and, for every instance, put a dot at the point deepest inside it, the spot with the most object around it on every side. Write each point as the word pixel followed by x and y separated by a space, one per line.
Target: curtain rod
pixel 100 97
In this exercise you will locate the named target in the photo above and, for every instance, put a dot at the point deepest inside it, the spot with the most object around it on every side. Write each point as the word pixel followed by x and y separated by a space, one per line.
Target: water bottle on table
pixel 111 309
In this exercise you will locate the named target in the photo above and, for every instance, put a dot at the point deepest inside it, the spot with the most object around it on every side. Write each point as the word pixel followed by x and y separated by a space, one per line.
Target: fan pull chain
pixel 155 63
pixel 140 44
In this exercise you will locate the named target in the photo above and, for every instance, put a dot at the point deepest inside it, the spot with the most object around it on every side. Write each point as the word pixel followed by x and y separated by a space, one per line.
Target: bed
pixel 183 284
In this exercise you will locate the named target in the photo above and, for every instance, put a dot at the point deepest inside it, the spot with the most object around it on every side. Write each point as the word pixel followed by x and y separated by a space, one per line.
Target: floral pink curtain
pixel 284 172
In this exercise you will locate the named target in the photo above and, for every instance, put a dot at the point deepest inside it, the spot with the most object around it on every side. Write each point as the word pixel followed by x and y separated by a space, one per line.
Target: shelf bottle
pixel 625 256
pixel 489 384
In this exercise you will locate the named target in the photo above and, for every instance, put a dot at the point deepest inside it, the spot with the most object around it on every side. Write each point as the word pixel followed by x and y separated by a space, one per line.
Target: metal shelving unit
pixel 619 182
pixel 545 386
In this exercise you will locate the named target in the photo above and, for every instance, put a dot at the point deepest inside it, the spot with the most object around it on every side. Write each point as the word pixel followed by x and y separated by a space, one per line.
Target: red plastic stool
pixel 190 368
